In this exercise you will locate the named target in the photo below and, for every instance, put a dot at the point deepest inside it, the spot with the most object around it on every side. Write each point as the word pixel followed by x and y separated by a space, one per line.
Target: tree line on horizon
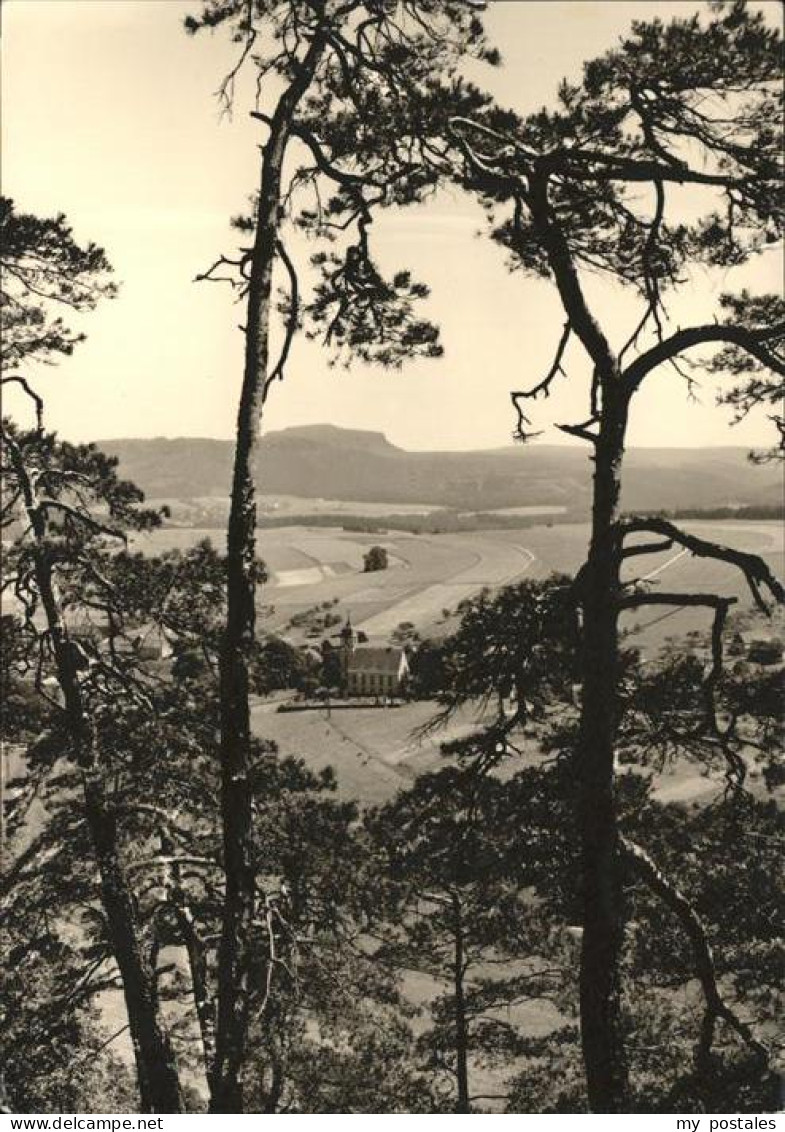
pixel 259 929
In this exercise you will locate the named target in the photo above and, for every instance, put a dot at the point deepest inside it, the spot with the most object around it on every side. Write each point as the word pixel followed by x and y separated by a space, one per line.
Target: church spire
pixel 348 641
pixel 348 636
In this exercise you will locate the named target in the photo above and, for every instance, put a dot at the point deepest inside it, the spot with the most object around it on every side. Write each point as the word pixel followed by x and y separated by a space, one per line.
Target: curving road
pixel 496 564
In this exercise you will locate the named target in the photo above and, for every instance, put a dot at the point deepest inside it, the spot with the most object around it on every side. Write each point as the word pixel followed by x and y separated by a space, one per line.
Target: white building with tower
pixel 371 670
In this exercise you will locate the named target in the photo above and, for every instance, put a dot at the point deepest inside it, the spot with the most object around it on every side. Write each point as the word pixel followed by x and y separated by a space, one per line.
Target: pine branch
pixel 753 341
pixel 756 572
pixel 715 1006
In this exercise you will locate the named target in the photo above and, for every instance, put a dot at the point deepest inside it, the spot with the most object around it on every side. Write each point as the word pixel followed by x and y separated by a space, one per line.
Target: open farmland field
pixel 301 505
pixel 375 752
pixel 213 510
pixel 563 547
pixel 431 573
pixel 427 573
pixel 679 570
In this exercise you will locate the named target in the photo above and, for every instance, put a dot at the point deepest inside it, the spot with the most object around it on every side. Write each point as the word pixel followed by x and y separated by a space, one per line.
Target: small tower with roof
pixel 348 643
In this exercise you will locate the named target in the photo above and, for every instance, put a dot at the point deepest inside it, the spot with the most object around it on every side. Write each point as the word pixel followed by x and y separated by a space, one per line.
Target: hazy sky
pixel 109 116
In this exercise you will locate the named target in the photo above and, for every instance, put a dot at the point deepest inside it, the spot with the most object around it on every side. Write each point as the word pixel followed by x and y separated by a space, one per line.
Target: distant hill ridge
pixel 328 462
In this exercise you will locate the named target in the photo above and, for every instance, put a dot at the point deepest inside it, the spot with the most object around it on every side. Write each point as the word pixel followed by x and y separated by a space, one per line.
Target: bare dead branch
pixel 711 601
pixel 292 321
pixel 756 572
pixel 581 430
pixel 544 387
pixel 225 92
pixel 646 548
pixel 16 379
pixel 715 1006
pixel 238 266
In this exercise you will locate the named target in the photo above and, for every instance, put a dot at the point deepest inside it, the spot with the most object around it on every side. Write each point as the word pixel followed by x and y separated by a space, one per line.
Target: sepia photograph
pixel 393 582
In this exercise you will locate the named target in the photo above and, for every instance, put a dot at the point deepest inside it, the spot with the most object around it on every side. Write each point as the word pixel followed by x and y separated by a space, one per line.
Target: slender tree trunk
pixel 159 1086
pixel 461 1030
pixel 196 951
pixel 603 921
pixel 235 951
pixel 203 1005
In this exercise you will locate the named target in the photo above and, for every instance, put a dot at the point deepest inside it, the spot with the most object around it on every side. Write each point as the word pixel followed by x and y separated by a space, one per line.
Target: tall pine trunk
pixel 603 920
pixel 239 899
pixel 603 917
pixel 461 1029
pixel 234 954
pixel 159 1086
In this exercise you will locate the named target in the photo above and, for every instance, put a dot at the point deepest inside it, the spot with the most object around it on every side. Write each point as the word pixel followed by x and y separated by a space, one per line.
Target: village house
pixel 371 670
pixel 144 641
